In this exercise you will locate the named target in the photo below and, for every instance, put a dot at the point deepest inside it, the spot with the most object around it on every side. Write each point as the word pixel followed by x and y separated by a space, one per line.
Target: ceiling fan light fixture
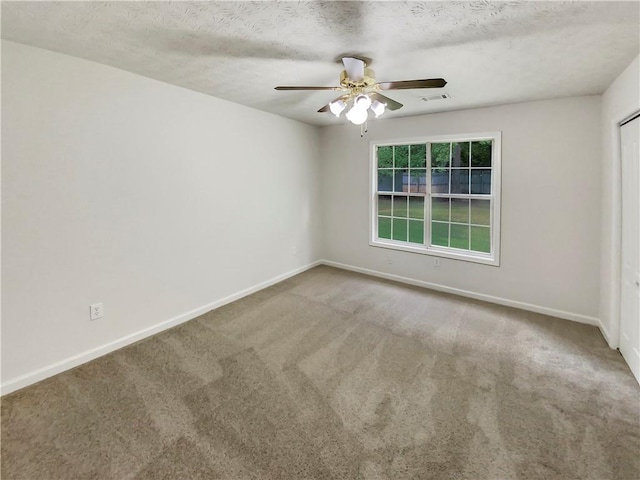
pixel 337 107
pixel 378 108
pixel 357 115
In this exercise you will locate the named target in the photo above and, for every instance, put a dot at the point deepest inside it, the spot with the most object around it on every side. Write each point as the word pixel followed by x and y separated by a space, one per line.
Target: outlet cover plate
pixel 96 311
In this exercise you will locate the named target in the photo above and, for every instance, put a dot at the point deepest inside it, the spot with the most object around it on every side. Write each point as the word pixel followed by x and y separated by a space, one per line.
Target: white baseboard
pixel 84 357
pixel 576 317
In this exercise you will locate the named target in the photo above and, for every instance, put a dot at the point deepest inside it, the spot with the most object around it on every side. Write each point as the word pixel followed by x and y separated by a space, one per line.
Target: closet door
pixel 630 271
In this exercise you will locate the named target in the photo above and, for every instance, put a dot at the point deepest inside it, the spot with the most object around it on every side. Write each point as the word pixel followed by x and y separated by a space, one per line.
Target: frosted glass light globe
pixel 357 115
pixel 378 108
pixel 337 107
pixel 362 101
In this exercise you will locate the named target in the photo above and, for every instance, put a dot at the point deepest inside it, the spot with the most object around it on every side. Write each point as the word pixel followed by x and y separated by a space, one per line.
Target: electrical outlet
pixel 436 262
pixel 96 311
pixel 294 250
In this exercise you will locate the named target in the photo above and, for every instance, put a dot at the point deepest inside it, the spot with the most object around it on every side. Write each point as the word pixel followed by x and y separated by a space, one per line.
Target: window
pixel 438 196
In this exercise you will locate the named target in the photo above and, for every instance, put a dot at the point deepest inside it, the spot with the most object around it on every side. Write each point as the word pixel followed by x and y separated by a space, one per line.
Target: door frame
pixel 616 232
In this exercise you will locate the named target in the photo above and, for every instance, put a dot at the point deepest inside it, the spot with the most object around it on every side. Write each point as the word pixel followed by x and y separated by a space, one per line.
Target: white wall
pixel 150 198
pixel 621 99
pixel 550 236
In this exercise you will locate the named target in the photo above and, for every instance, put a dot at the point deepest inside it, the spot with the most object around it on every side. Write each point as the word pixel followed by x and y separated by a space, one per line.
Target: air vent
pixel 436 96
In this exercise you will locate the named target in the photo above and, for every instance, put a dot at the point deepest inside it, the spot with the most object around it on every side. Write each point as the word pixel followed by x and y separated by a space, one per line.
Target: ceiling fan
pixel 362 91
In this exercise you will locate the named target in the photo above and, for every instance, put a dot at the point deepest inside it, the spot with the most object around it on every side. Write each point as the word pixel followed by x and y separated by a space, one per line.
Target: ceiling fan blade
pixel 307 88
pixel 327 107
pixel 391 104
pixel 354 68
pixel 405 84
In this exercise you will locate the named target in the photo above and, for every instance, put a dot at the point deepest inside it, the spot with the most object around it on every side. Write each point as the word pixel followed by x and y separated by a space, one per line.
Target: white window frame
pixel 492 258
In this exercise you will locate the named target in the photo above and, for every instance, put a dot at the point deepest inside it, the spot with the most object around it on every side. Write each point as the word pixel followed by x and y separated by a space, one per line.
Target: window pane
pixel 440 209
pixel 481 181
pixel 400 181
pixel 460 210
pixel 416 231
pixel 440 180
pixel 460 154
pixel 384 227
pixel 460 236
pixel 481 212
pixel 399 206
pixel 384 205
pixel 481 153
pixel 440 234
pixel 385 157
pixel 440 154
pixel 402 156
pixel 418 156
pixel 459 180
pixel 385 180
pixel 480 239
pixel 400 229
pixel 416 207
pixel 418 180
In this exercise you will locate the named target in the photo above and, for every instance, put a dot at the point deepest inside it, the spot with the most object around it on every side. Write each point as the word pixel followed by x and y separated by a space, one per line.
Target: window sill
pixel 485 259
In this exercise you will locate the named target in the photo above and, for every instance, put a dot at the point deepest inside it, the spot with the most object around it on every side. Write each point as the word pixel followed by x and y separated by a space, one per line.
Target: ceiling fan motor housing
pixel 368 81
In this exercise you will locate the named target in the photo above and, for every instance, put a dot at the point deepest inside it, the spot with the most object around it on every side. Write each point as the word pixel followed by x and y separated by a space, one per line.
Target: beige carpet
pixel 336 375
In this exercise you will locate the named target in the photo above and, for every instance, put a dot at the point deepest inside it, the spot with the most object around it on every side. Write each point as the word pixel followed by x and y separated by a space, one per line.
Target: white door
pixel 630 294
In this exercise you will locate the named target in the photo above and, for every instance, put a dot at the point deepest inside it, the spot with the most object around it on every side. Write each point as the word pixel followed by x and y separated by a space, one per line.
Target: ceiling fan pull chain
pixel 364 128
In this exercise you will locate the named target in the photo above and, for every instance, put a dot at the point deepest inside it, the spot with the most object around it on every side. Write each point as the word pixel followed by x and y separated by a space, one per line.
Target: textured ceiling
pixel 489 52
